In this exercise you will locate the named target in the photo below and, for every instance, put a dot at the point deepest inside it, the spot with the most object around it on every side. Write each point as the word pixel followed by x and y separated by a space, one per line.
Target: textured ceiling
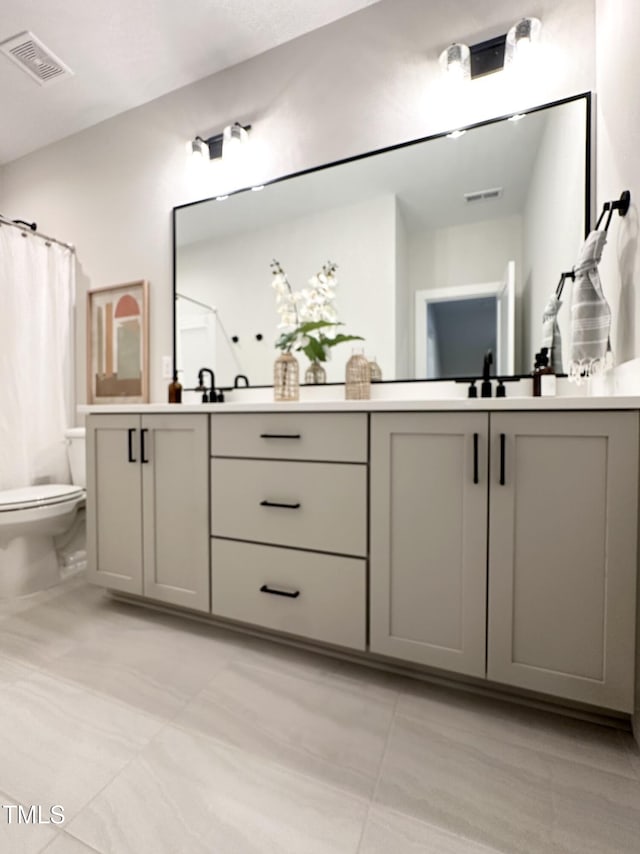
pixel 126 52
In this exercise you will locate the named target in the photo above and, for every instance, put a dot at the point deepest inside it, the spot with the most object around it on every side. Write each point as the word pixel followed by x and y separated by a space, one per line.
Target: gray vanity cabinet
pixel 561 500
pixel 289 523
pixel 114 503
pixel 562 554
pixel 147 513
pixel 428 554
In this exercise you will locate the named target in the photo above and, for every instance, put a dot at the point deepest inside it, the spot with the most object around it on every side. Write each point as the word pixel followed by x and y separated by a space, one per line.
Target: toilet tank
pixel 76 452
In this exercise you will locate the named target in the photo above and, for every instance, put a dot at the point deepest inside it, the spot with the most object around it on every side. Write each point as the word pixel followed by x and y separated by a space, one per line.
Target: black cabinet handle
pixel 475 458
pixel 130 456
pixel 280 435
pixel 266 503
pixel 265 589
pixel 142 434
pixel 503 444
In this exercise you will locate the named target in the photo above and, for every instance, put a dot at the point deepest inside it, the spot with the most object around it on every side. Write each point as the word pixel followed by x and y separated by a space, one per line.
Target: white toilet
pixel 30 519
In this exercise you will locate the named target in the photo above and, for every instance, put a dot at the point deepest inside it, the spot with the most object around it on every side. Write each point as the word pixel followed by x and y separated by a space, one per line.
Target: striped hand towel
pixel 590 314
pixel 551 338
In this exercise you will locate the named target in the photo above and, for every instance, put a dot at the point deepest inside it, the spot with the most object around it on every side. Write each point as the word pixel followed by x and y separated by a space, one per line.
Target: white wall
pixel 367 81
pixel 470 254
pixel 404 303
pixel 245 301
pixel 555 196
pixel 618 164
pixel 618 118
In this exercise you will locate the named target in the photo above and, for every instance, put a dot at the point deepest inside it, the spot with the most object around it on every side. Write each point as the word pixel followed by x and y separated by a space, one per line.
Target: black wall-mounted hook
pixel 235 339
pixel 621 205
pixel 570 275
pixel 259 336
pixel 32 225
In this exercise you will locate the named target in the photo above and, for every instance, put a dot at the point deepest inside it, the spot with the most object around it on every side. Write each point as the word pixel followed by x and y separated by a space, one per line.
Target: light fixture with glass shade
pixel 461 62
pixel 455 62
pixel 226 144
pixel 521 38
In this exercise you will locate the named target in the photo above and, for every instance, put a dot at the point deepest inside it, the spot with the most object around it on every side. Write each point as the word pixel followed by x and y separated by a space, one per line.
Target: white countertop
pixel 508 404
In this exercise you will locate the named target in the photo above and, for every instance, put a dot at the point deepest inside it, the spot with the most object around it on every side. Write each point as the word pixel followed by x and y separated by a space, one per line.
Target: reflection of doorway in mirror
pixel 456 326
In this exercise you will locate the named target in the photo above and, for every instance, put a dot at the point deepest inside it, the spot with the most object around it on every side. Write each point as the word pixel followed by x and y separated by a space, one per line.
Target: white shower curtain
pixel 37 293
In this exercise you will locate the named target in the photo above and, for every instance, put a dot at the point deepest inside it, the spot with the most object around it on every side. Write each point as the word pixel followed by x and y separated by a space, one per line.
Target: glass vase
pixel 357 384
pixel 286 378
pixel 315 374
pixel 376 371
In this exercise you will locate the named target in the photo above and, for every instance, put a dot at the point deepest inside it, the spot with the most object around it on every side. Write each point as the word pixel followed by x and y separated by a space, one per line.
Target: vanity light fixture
pixel 517 117
pixel 456 134
pixel 221 198
pixel 462 63
pixel 520 39
pixel 454 62
pixel 223 144
pixel 258 188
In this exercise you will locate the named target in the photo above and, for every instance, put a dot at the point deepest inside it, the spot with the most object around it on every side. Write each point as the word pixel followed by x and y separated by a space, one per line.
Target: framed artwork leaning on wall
pixel 118 344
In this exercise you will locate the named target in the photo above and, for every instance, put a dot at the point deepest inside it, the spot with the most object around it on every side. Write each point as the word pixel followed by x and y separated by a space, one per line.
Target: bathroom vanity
pixel 495 539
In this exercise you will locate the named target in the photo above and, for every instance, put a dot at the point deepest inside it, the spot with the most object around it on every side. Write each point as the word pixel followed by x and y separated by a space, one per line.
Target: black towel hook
pixel 570 275
pixel 621 205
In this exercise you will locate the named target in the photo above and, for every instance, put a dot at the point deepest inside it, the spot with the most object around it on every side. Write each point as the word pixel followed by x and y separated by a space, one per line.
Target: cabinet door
pixel 114 502
pixel 175 481
pixel 562 555
pixel 429 538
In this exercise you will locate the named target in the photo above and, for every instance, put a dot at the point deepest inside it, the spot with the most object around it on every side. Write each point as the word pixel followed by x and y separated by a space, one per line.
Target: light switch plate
pixel 167 368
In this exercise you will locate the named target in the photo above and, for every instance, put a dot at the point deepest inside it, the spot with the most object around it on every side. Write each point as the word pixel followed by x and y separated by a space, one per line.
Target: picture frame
pixel 118 343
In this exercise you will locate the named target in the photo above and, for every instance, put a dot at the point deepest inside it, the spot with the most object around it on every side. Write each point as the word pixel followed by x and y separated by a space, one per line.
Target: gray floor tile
pixel 311 722
pixel 633 751
pixel 157 669
pixel 17 837
pixel 388 832
pixel 60 744
pixel 209 797
pixel 595 812
pixel 12 671
pixel 64 843
pixel 512 723
pixel 469 785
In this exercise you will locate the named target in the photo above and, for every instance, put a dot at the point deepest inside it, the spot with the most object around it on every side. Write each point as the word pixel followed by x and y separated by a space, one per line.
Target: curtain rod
pixel 31 229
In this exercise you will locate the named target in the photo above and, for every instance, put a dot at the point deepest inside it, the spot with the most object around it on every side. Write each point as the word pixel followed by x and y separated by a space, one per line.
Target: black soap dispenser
pixel 486 388
pixel 544 379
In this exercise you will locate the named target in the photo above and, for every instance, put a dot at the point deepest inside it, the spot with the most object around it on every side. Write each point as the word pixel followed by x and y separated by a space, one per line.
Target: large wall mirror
pixel 445 247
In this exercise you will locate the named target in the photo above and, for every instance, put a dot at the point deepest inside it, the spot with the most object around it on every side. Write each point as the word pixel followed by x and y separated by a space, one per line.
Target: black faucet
pixel 485 388
pixel 236 383
pixel 208 396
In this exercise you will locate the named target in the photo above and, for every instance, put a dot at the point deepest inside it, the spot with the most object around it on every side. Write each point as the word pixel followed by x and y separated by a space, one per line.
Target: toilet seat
pixel 44 495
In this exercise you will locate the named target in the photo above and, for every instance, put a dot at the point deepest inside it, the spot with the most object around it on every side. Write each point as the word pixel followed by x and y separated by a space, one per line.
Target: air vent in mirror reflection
pixel 493 193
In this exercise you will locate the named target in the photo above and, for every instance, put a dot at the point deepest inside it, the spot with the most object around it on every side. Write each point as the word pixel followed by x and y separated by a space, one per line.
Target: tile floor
pixel 162 736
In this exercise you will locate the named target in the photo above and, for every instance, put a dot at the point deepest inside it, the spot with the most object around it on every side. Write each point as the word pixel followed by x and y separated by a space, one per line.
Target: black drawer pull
pixel 130 456
pixel 266 503
pixel 142 435
pixel 265 589
pixel 503 443
pixel 475 458
pixel 280 435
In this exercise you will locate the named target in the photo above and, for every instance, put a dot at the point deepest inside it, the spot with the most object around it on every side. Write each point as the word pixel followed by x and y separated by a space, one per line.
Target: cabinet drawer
pixel 326 600
pixel 325 504
pixel 335 437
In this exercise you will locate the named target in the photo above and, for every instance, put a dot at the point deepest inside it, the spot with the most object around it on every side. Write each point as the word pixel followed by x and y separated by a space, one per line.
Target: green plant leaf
pixel 312 325
pixel 340 339
pixel 314 351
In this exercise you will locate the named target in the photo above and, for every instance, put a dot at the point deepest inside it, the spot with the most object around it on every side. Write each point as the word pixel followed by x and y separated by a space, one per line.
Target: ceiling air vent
pixel 493 193
pixel 33 57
